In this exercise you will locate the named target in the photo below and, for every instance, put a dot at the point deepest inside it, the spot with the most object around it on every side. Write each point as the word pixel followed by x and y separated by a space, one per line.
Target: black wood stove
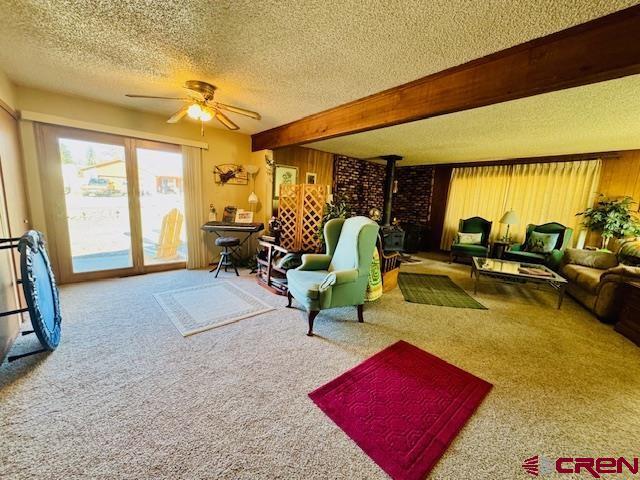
pixel 392 235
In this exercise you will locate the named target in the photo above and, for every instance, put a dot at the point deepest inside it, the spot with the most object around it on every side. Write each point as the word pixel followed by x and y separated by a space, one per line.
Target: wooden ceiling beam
pixel 602 49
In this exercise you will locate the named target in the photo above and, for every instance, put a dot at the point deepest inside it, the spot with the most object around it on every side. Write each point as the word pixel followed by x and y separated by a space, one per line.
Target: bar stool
pixel 226 256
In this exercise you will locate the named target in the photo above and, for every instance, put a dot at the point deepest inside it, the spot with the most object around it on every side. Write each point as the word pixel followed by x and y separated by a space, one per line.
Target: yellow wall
pixel 7 91
pixel 12 214
pixel 224 146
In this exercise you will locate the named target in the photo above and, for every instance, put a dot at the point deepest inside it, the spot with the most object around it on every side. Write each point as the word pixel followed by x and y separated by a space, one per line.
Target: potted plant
pixel 337 208
pixel 612 218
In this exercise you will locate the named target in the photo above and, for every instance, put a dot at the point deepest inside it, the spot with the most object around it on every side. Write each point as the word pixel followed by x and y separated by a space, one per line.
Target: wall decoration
pixel 244 216
pixel 312 178
pixel 270 164
pixel 213 215
pixel 230 174
pixel 284 175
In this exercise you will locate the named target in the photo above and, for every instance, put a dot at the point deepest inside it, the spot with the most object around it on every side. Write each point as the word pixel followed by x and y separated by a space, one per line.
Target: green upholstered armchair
pixel 338 278
pixel 472 225
pixel 552 259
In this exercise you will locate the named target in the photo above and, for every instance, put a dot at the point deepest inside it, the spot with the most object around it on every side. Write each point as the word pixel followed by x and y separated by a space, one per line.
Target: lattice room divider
pixel 288 214
pixel 300 211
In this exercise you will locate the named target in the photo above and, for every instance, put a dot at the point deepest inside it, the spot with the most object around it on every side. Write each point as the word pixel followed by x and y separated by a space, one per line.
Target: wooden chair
pixel 170 235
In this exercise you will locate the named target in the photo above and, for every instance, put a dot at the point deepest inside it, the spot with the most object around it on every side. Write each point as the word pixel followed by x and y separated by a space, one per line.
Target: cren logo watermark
pixel 538 465
pixel 595 467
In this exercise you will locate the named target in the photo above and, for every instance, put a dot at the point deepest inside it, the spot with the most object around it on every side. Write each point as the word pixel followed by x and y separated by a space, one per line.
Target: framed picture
pixel 312 178
pixel 283 175
pixel 244 216
pixel 229 215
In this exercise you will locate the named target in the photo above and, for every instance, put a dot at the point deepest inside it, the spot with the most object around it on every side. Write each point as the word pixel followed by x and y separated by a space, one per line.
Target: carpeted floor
pixel 127 397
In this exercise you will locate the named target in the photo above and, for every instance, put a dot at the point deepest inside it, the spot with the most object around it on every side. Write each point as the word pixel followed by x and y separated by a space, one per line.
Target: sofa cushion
pixel 527 257
pixel 590 258
pixel 629 253
pixel 586 278
pixel 475 250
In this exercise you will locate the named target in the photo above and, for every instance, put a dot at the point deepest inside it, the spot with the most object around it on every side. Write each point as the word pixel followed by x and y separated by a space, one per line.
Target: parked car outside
pixel 102 187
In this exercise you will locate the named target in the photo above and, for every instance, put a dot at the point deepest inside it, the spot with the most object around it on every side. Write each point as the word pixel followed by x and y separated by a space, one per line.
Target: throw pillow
pixel 469 238
pixel 289 261
pixel 542 242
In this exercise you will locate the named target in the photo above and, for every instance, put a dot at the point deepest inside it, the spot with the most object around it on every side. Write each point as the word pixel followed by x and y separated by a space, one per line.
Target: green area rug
pixel 435 290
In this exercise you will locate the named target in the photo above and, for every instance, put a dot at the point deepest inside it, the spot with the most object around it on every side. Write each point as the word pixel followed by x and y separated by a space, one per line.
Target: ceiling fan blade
pixel 194 94
pixel 241 111
pixel 176 117
pixel 130 95
pixel 223 119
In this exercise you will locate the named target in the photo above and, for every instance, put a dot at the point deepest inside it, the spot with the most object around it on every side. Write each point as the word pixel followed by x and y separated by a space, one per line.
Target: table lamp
pixel 509 218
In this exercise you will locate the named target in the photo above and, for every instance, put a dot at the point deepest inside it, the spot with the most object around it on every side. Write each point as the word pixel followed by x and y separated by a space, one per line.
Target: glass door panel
pixel 97 205
pixel 161 205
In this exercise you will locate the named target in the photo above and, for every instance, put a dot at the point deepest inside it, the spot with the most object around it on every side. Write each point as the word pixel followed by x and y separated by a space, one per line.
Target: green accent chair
pixel 472 225
pixel 552 259
pixel 338 278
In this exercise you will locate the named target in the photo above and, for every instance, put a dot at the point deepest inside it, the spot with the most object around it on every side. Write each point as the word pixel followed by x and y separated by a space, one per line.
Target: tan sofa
pixel 595 278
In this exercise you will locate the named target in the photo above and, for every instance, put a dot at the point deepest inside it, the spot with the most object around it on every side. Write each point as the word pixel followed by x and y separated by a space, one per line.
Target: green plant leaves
pixel 612 217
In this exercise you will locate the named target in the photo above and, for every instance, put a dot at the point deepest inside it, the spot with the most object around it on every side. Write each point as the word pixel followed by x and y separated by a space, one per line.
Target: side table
pixel 629 319
pixel 499 247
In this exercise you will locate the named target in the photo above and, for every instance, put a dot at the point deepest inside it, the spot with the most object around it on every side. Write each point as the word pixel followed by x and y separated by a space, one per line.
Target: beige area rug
pixel 126 398
pixel 203 307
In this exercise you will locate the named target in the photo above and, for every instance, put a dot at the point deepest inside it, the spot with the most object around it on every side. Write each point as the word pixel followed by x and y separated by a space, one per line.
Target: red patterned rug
pixel 403 407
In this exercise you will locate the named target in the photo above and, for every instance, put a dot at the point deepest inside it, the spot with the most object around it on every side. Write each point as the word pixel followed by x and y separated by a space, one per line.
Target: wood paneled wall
pixel 441 181
pixel 621 176
pixel 307 160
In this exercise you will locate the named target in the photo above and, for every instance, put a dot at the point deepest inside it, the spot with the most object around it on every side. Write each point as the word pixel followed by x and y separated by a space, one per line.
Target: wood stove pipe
pixel 388 187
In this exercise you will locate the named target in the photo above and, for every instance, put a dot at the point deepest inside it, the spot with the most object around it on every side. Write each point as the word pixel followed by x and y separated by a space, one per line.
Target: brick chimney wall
pixel 361 183
pixel 412 202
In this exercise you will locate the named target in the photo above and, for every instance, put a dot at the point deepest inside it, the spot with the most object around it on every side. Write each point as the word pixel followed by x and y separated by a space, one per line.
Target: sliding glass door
pixel 161 204
pixel 97 204
pixel 116 204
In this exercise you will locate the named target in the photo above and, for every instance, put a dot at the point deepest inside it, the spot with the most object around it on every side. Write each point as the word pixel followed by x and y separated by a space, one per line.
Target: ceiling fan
pixel 201 106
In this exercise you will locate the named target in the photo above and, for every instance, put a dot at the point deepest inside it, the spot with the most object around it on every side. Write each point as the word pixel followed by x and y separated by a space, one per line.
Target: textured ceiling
pixel 594 118
pixel 286 59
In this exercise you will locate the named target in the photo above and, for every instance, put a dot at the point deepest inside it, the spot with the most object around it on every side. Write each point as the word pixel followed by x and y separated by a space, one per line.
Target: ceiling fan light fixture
pixel 200 105
pixel 195 111
pixel 206 114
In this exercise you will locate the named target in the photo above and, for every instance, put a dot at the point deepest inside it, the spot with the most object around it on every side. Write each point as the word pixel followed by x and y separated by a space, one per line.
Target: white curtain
pixel 195 211
pixel 537 192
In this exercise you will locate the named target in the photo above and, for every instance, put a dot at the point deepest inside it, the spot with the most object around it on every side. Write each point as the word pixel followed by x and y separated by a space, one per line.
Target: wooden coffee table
pixel 510 272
